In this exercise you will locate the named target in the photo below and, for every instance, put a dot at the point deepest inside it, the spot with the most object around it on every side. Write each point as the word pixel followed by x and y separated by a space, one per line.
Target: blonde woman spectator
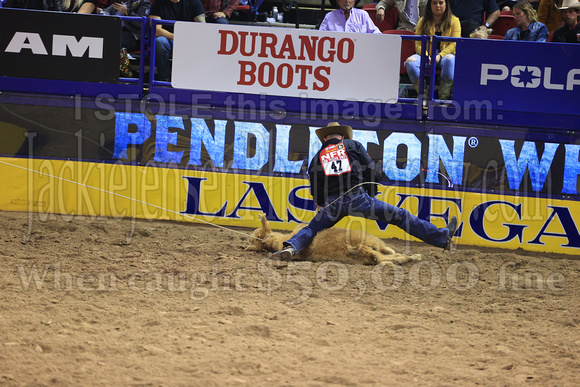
pixel 529 28
pixel 71 5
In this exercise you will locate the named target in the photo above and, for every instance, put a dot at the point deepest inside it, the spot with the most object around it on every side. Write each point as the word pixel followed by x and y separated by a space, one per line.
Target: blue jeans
pixel 163 49
pixel 362 205
pixel 446 64
pixel 219 20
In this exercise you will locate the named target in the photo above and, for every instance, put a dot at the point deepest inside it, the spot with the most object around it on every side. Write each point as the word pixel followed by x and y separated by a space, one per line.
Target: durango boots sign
pixel 286 62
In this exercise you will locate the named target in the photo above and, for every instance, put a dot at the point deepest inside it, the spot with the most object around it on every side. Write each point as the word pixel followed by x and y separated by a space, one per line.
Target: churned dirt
pixel 87 301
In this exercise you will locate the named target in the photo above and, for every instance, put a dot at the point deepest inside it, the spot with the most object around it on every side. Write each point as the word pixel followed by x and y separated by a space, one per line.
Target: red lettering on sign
pixel 288 48
pixel 247 69
pixel 244 43
pixel 303 70
pixel 345 50
pixel 271 70
pixel 308 44
pixel 267 45
pixel 223 43
pixel 269 42
pixel 330 50
pixel 285 81
pixel 324 82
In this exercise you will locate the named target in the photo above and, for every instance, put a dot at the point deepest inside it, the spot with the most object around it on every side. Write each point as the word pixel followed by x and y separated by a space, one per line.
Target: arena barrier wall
pixel 100 149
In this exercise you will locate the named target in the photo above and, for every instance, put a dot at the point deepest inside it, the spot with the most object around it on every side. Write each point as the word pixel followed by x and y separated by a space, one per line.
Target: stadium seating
pixel 391 17
pixel 407 47
pixel 504 23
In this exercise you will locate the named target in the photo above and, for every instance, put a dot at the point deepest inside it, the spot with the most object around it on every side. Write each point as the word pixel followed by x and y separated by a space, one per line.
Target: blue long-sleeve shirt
pixel 536 32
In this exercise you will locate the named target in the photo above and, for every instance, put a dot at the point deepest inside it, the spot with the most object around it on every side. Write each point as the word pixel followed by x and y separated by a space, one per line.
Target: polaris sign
pixel 37 44
pixel 519 76
pixel 527 76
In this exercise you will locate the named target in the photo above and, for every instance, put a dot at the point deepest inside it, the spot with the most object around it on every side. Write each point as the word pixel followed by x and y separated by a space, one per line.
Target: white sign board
pixel 286 62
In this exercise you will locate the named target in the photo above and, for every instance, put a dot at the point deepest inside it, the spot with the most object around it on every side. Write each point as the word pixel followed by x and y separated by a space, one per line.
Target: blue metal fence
pixel 146 87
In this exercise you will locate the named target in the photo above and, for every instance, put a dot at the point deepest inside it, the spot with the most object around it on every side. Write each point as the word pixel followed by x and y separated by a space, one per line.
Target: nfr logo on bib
pixel 334 160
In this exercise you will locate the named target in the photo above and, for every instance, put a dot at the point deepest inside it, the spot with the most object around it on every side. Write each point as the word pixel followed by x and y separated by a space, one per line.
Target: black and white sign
pixel 62 46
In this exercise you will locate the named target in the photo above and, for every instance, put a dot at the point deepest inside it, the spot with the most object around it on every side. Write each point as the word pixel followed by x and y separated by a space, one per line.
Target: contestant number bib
pixel 334 160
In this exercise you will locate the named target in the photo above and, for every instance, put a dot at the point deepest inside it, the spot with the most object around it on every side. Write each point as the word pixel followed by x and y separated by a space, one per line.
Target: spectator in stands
pixel 529 28
pixel 178 10
pixel 131 31
pixel 571 31
pixel 46 5
pixel 549 14
pixel 409 12
pixel 71 5
pixel 471 14
pixel 42 5
pixel 217 11
pixel 95 6
pixel 438 20
pixel 507 5
pixel 348 19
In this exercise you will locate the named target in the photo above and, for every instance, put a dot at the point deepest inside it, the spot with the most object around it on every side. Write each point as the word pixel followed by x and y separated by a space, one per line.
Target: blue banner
pixel 519 76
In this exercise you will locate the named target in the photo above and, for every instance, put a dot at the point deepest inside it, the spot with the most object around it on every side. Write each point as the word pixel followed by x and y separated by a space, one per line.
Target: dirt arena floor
pixel 105 302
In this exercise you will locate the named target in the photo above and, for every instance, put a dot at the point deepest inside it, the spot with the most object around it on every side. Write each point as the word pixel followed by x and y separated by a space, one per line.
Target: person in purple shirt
pixel 348 19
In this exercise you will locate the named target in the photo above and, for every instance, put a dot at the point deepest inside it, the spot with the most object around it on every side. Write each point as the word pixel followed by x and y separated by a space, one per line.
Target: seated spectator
pixel 71 5
pixel 507 5
pixel 571 31
pixel 42 5
pixel 529 28
pixel 348 19
pixel 549 14
pixel 45 5
pixel 471 13
pixel 131 31
pixel 178 10
pixel 409 12
pixel 217 11
pixel 438 20
pixel 95 6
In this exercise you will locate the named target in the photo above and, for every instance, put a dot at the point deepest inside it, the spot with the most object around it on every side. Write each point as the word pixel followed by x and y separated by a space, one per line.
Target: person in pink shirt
pixel 348 19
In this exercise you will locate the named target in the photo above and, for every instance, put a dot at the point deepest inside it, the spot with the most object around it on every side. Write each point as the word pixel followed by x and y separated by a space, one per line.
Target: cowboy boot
pixel 425 90
pixel 445 89
pixel 124 67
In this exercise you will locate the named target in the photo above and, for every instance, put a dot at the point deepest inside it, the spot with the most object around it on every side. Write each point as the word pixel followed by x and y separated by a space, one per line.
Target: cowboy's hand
pixel 218 15
pixel 438 59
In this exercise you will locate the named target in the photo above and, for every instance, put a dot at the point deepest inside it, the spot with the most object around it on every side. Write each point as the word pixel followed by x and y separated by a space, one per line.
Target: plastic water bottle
pixel 275 13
